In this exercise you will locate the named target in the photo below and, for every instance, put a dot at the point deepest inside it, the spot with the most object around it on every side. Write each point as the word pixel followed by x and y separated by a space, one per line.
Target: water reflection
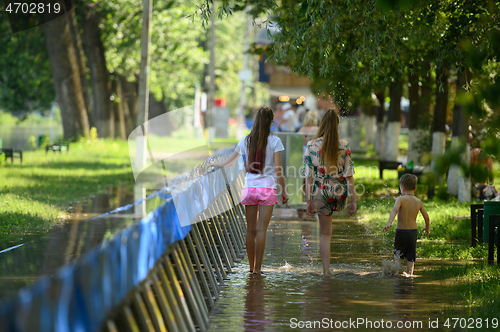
pixel 21 266
pixel 256 316
pixel 293 290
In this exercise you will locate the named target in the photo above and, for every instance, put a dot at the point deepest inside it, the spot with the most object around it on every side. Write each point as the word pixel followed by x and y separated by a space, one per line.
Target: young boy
pixel 407 207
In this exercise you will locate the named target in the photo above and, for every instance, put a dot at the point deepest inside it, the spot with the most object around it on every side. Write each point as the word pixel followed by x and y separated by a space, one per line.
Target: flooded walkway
pixel 293 293
pixel 22 265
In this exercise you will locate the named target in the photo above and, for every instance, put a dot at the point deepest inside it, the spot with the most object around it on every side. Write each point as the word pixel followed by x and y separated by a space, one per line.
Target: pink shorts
pixel 259 196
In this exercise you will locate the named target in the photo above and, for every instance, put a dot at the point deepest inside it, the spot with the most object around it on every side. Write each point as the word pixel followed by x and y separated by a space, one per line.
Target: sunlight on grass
pixel 35 195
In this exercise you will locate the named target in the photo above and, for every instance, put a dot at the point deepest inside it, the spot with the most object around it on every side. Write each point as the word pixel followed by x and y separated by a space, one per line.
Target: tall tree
pixel 80 59
pixel 439 127
pixel 391 139
pixel 63 59
pixel 413 115
pixel 99 74
pixel 25 75
pixel 457 183
pixel 379 143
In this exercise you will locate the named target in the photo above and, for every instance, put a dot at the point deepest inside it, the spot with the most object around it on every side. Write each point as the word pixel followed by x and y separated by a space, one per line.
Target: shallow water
pixel 21 266
pixel 293 293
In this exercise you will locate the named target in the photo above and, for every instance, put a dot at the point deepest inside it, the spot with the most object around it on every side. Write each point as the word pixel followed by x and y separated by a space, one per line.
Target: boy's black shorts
pixel 405 244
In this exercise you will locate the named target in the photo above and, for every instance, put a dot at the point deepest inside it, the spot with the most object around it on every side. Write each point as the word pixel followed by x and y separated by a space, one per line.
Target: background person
pixel 288 119
pixel 300 113
pixel 264 172
pixel 329 174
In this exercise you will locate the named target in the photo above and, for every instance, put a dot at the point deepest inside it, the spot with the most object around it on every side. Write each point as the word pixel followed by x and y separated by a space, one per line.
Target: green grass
pixel 475 286
pixel 36 195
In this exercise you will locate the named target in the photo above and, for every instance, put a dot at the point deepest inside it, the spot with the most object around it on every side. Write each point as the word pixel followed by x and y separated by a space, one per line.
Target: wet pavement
pixel 359 294
pixel 20 266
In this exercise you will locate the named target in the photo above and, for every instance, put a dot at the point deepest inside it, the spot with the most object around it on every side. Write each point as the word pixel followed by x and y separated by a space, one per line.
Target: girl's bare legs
pixel 251 214
pixel 325 226
pixel 265 214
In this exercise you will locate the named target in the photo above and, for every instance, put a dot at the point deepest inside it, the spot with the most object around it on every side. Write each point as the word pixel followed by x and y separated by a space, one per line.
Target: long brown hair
pixel 257 140
pixel 329 130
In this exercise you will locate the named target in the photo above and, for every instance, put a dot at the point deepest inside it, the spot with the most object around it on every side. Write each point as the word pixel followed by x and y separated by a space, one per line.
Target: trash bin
pixel 489 208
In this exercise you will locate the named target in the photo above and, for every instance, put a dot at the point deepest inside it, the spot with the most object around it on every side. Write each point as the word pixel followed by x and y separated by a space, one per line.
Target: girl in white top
pixel 264 174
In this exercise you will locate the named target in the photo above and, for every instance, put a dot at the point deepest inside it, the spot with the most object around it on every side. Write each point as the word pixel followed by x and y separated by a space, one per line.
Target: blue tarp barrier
pixel 80 296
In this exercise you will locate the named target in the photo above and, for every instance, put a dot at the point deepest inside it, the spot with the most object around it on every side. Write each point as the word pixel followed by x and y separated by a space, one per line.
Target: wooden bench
pixel 383 164
pixel 11 153
pixel 57 147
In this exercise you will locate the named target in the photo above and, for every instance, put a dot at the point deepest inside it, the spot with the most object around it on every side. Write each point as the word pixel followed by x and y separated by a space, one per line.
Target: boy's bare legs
pixel 251 214
pixel 409 267
pixel 325 226
pixel 265 214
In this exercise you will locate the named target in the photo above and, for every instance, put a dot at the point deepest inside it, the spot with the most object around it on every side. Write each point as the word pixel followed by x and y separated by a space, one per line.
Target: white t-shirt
pixel 268 178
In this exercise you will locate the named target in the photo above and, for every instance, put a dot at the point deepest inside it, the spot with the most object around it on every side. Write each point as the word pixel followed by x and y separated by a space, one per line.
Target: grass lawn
pixel 36 195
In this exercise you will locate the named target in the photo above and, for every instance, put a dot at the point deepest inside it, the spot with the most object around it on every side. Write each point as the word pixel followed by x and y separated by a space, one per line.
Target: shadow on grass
pixel 57 189
pixel 91 165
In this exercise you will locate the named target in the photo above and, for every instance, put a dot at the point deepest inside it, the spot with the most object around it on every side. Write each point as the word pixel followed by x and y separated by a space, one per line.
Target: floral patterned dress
pixel 329 191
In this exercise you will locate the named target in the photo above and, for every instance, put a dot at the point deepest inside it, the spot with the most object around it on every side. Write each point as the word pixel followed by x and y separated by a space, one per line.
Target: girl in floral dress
pixel 329 171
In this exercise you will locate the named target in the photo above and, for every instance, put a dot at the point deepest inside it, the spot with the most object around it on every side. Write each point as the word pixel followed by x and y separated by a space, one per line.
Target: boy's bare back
pixel 409 208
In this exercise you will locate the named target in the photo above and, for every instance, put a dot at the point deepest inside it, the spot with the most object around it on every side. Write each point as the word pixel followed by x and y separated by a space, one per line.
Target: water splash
pixel 391 268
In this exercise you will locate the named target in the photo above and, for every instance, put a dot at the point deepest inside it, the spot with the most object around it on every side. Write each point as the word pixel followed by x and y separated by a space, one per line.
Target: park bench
pixel 479 227
pixel 383 164
pixel 11 153
pixel 57 147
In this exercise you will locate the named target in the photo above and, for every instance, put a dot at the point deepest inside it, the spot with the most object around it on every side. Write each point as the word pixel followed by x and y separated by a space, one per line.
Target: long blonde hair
pixel 329 130
pixel 311 119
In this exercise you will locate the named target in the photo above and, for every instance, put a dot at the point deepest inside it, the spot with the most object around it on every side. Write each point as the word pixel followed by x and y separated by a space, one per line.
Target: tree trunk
pixel 439 128
pixel 119 113
pixel 379 142
pixel 66 77
pixel 129 91
pixel 101 86
pixel 80 57
pixel 391 140
pixel 457 183
pixel 369 120
pixel 129 119
pixel 425 95
pixel 413 154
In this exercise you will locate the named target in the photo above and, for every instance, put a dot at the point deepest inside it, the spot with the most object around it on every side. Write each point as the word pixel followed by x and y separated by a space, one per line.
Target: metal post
pixel 474 213
pixel 494 223
pixel 244 76
pixel 170 311
pixel 143 93
pixel 211 86
pixel 189 250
